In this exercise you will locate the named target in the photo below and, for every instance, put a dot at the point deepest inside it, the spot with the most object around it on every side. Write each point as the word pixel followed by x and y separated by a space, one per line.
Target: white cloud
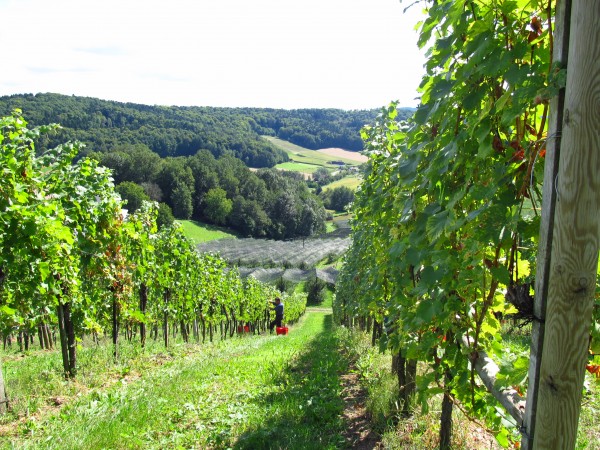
pixel 267 53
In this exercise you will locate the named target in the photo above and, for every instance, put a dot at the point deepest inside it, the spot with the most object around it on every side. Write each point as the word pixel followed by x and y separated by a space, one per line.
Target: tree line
pixel 182 131
pixel 168 131
pixel 193 161
pixel 338 198
pixel 316 128
pixel 222 191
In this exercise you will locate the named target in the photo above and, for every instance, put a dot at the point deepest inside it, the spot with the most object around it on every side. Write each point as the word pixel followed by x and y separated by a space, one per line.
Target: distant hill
pixel 182 131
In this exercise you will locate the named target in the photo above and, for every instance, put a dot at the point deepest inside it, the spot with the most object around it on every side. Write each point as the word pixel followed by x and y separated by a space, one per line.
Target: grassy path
pixel 252 393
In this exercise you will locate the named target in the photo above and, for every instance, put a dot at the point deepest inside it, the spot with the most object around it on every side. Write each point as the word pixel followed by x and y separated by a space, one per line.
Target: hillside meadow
pixel 199 232
pixel 307 161
pixel 351 182
pixel 316 158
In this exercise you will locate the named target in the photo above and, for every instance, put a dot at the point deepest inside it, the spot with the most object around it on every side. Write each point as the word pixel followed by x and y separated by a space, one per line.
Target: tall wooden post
pixel 568 265
pixel 3 396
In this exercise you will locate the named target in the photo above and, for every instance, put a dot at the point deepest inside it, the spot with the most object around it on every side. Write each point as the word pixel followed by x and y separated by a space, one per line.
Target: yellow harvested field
pixel 341 153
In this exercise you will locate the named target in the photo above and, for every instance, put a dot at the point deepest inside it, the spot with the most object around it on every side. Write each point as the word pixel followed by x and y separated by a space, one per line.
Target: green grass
pixel 252 392
pixel 330 226
pixel 306 156
pixel 328 298
pixel 300 287
pixel 588 432
pixel 420 432
pixel 342 217
pixel 200 232
pixel 244 393
pixel 34 379
pixel 351 182
pixel 298 167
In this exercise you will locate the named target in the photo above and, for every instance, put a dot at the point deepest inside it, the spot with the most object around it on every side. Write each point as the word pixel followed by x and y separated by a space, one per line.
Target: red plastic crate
pixel 281 330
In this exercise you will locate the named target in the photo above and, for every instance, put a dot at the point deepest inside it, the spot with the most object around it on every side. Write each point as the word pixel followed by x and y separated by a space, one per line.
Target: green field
pixel 297 167
pixel 343 217
pixel 351 182
pixel 306 156
pixel 307 161
pixel 200 232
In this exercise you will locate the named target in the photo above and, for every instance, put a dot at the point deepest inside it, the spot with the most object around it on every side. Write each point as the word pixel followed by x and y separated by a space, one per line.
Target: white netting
pixel 263 252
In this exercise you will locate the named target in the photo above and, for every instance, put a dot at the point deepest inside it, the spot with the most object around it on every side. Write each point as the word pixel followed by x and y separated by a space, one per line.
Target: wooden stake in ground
pixel 553 412
pixel 3 396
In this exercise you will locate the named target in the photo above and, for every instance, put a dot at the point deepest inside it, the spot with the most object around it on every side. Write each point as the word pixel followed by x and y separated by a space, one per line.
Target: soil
pixel 359 434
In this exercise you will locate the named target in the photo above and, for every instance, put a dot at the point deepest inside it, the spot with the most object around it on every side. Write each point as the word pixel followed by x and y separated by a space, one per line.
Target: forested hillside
pixel 221 191
pixel 315 128
pixel 182 131
pixel 194 160
pixel 168 131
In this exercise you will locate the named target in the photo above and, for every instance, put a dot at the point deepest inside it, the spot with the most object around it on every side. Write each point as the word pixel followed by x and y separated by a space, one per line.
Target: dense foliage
pixel 167 131
pixel 182 131
pixel 447 219
pixel 263 203
pixel 70 257
pixel 315 128
pixel 338 198
pixel 217 189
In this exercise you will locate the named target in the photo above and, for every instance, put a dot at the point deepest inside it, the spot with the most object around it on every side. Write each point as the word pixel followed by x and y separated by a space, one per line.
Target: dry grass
pixel 345 154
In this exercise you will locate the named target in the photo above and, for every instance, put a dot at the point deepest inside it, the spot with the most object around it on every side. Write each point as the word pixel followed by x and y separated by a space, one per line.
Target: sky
pixel 347 54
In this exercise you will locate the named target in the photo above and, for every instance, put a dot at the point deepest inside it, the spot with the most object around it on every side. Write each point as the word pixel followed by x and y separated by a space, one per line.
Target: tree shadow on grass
pixel 305 411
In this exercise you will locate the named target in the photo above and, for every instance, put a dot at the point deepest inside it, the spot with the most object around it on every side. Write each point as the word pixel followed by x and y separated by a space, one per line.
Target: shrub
pixel 284 285
pixel 315 291
pixel 165 216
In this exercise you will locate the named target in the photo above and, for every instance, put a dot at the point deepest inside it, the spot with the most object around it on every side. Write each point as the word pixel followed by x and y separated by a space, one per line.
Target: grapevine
pixel 446 220
pixel 71 256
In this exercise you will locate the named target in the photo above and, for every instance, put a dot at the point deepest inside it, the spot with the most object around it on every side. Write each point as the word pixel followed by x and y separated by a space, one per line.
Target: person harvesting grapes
pixel 278 314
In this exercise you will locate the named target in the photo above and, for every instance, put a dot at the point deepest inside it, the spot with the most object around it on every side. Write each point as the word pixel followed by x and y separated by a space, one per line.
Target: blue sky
pixel 349 54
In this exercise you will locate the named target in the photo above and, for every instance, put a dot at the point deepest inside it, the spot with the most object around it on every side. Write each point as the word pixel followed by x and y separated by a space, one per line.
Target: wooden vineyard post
pixel 3 396
pixel 568 265
pixel 560 55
